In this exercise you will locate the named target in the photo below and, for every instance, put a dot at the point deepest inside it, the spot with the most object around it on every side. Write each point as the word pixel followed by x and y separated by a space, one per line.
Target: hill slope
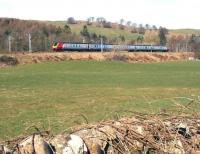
pixel 112 32
pixel 44 33
pixel 108 32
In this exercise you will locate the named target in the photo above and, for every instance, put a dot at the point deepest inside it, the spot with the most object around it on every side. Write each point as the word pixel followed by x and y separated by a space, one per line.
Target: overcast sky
pixel 168 13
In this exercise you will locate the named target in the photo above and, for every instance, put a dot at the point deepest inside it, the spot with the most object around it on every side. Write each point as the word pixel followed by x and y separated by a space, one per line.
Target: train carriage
pixel 95 47
pixel 60 46
pixel 75 46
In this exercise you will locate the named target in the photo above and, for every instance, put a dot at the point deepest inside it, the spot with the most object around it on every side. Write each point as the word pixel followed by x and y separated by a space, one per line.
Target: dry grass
pixel 141 57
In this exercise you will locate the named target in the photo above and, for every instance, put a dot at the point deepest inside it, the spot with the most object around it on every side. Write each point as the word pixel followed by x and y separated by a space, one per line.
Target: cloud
pixel 169 13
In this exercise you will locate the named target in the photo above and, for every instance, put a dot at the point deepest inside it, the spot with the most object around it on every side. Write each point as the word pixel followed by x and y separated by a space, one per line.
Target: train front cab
pixel 57 46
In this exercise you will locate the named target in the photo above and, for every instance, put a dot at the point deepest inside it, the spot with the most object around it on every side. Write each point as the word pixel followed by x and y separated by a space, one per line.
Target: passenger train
pixel 64 46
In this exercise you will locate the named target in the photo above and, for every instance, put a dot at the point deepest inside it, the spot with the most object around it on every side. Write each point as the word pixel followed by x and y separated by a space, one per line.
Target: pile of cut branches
pixel 141 133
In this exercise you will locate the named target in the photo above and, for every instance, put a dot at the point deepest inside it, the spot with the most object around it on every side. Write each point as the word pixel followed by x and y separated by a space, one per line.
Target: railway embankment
pixel 140 57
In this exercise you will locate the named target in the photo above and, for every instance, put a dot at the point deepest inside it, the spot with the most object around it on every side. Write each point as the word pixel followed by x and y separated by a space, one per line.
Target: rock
pixel 58 143
pixel 34 144
pixel 70 144
pixel 183 129
pixel 94 140
pixel 4 150
pixel 175 147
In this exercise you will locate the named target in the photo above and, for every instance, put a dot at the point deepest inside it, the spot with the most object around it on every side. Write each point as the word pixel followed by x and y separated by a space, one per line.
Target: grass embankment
pixel 56 94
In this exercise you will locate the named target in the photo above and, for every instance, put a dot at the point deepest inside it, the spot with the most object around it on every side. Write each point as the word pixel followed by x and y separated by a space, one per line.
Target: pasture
pixel 58 95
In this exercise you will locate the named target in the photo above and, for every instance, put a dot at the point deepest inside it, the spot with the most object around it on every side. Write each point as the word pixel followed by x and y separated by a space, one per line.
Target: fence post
pixel 29 42
pixel 9 43
pixel 101 44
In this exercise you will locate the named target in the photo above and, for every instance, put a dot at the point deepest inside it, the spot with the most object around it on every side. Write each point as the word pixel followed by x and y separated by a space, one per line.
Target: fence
pixel 25 42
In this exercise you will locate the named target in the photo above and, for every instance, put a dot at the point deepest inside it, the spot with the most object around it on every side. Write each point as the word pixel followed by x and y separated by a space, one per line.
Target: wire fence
pixel 26 42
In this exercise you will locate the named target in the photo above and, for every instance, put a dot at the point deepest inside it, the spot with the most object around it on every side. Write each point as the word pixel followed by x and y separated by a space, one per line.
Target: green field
pixel 60 94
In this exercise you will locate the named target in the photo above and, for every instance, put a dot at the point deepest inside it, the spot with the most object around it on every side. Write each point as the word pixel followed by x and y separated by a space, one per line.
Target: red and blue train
pixel 64 46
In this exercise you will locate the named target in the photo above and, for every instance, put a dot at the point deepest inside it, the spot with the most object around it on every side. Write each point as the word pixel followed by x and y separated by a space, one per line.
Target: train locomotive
pixel 64 46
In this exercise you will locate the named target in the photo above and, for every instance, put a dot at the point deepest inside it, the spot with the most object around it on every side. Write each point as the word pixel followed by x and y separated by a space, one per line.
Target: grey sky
pixel 168 13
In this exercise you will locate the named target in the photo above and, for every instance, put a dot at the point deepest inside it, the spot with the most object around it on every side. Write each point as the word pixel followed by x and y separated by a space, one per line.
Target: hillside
pixel 45 33
pixel 185 31
pixel 112 32
pixel 108 32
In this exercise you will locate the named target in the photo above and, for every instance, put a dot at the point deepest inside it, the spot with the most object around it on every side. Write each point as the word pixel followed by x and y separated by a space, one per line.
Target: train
pixel 66 46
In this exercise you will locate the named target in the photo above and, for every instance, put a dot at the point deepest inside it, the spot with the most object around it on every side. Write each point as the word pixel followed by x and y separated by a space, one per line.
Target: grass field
pixel 56 94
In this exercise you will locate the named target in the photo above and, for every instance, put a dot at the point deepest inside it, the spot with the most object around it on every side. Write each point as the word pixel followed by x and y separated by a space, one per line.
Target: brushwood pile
pixel 141 133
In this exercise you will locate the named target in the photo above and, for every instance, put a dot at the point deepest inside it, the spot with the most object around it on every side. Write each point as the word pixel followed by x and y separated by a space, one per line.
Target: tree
pixel 107 25
pixel 89 21
pixel 122 21
pixel 122 38
pixel 154 27
pixel 94 37
pixel 85 32
pixel 71 20
pixel 194 42
pixel 134 28
pixel 58 31
pixel 92 19
pixel 100 21
pixel 141 29
pixel 151 37
pixel 67 29
pixel 103 37
pixel 121 25
pixel 7 32
pixel 140 39
pixel 128 23
pixel 147 26
pixel 45 31
pixel 162 35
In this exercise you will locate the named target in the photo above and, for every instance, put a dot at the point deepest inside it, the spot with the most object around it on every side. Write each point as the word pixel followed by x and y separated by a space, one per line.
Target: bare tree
pixel 100 21
pixel 128 23
pixel 154 27
pixel 92 18
pixel 147 26
pixel 122 21
pixel 134 28
pixel 141 29
pixel 89 21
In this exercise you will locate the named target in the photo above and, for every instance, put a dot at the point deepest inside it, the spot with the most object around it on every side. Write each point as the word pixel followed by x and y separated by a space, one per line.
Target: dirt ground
pixel 141 57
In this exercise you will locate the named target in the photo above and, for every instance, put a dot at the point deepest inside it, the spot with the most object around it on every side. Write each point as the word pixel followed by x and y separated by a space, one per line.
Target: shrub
pixel 107 25
pixel 9 60
pixel 119 57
